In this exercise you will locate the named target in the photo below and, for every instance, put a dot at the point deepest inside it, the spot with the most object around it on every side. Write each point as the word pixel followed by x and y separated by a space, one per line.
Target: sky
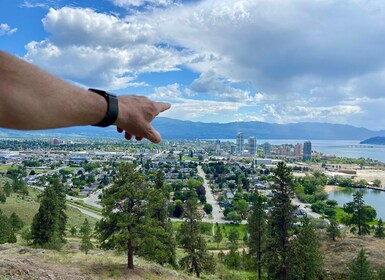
pixel 280 61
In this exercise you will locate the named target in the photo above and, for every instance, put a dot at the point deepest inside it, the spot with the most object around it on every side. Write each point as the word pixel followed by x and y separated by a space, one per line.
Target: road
pixel 217 212
pixel 86 212
pixel 306 208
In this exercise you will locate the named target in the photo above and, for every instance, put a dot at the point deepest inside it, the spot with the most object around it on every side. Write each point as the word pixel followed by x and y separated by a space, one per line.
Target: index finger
pixel 163 106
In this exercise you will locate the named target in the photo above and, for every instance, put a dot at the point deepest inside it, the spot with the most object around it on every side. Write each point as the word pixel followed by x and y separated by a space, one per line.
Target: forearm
pixel 34 99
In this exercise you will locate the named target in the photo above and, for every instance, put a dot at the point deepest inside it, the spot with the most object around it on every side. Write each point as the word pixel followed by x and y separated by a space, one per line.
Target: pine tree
pixel 16 223
pixel 257 228
pixel 333 230
pixel 73 231
pixel 7 189
pixel 47 225
pixel 197 259
pixel 61 204
pixel 85 231
pixel 360 268
pixel 157 241
pixel 305 256
pixel 3 198
pixel 218 237
pixel 123 210
pixel 379 232
pixel 280 223
pixel 361 213
pixel 7 235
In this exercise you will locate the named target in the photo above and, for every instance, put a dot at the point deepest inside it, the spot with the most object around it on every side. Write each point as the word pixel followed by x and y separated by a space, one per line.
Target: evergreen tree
pixel 61 204
pixel 73 231
pixel 360 268
pixel 218 237
pixel 7 189
pixel 3 198
pixel 156 241
pixel 47 225
pixel 7 235
pixel 333 230
pixel 197 259
pixel 280 223
pixel 86 231
pixel 257 228
pixel 233 237
pixel 379 232
pixel 123 210
pixel 361 213
pixel 305 256
pixel 159 180
pixel 16 223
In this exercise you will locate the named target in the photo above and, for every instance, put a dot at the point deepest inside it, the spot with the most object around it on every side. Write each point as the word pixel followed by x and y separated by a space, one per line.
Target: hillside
pixel 27 207
pixel 177 129
pixel 374 140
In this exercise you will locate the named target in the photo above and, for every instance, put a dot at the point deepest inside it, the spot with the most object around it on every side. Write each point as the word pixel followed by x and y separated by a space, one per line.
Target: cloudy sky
pixel 278 61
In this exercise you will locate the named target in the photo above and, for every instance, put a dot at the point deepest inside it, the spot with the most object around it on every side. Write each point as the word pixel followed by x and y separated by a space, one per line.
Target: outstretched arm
pixel 31 98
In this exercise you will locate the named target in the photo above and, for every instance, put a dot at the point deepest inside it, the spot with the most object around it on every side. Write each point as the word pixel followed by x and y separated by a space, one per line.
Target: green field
pixel 4 168
pixel 70 169
pixel 27 208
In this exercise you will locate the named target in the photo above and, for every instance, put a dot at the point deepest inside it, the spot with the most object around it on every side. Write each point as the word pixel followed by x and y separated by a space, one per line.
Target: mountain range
pixel 177 129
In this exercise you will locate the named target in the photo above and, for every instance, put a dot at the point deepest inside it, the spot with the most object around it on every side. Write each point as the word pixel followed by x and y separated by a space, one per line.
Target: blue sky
pixel 215 60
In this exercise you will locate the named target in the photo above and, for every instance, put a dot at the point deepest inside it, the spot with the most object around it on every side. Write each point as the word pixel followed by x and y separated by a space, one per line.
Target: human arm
pixel 34 99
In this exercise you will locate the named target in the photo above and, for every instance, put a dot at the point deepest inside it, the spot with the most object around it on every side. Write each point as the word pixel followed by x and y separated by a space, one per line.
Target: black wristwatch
pixel 112 108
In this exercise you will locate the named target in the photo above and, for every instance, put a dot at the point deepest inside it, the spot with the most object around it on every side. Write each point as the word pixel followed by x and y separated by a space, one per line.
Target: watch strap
pixel 112 108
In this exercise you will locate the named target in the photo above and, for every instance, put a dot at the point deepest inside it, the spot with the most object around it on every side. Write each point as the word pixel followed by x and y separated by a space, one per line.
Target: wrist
pixel 112 112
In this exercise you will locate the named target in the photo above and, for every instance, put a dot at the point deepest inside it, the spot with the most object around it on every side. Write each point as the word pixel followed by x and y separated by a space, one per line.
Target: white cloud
pixel 190 109
pixel 5 29
pixel 99 50
pixel 210 83
pixel 139 3
pixel 169 92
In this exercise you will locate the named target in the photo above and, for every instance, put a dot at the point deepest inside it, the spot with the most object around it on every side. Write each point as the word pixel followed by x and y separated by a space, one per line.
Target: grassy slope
pixel 28 207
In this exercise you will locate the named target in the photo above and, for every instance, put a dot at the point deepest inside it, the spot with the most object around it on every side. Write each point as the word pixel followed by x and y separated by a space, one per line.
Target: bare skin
pixel 31 98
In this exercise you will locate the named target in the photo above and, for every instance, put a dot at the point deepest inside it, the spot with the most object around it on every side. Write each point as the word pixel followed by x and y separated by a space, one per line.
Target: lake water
pixel 340 148
pixel 374 198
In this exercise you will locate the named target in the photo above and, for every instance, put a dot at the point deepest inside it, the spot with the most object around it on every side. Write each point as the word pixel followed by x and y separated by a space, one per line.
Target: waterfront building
pixel 239 143
pixel 252 145
pixel 267 149
pixel 298 150
pixel 218 145
pixel 233 149
pixel 306 155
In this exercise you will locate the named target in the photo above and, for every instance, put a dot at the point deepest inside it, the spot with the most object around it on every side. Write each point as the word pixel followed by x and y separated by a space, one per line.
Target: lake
pixel 374 198
pixel 340 148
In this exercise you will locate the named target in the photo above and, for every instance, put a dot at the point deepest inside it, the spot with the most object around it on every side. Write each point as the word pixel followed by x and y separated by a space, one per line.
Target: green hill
pixel 27 207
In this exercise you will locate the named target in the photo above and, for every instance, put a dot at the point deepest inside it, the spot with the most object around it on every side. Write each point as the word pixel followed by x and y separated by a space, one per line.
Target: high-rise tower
pixel 240 142
pixel 252 145
pixel 306 155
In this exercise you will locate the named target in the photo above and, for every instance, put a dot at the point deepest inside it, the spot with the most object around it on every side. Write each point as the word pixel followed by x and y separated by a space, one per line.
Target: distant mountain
pixel 177 129
pixel 374 140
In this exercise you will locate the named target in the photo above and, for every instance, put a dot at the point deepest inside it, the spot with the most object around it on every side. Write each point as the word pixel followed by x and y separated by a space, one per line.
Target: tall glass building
pixel 239 143
pixel 252 145
pixel 306 155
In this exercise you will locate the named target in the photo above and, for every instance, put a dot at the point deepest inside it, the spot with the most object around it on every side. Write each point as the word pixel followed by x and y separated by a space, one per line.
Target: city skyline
pixel 237 68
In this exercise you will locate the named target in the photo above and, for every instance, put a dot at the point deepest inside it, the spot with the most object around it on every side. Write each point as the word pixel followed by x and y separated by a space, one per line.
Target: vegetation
pixel 196 259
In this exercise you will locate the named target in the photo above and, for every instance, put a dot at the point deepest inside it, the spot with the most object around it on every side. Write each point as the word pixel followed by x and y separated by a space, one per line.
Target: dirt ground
pixel 25 263
pixel 370 175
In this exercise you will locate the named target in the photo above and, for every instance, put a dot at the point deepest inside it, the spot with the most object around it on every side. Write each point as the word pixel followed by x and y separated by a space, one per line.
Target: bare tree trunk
pixel 130 252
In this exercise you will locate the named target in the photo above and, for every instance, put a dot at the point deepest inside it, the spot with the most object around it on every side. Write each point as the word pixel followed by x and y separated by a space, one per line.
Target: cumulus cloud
pixel 140 3
pixel 5 29
pixel 210 83
pixel 169 92
pixel 99 50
